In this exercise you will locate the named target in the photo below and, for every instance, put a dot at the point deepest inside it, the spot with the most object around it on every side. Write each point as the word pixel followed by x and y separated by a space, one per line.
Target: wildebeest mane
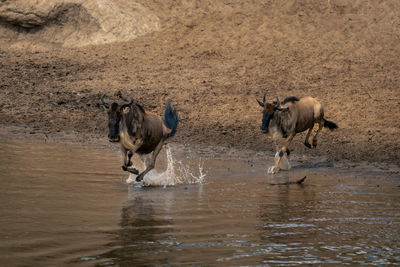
pixel 140 108
pixel 290 99
pixel 281 121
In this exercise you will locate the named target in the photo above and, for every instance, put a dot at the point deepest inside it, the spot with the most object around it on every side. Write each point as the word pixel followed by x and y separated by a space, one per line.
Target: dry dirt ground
pixel 213 59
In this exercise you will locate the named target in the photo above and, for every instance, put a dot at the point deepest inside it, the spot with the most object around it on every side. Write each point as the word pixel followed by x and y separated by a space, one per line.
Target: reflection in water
pixel 64 205
pixel 332 224
pixel 140 233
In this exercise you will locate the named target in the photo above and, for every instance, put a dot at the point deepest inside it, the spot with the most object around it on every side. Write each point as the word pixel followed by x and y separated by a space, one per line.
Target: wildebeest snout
pixel 113 134
pixel 113 138
pixel 264 130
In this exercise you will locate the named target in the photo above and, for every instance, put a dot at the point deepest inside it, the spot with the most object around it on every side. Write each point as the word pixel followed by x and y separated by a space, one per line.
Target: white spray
pixel 177 172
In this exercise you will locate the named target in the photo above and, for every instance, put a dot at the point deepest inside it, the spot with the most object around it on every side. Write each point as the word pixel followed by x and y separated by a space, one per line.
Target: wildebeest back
pixel 152 133
pixel 307 114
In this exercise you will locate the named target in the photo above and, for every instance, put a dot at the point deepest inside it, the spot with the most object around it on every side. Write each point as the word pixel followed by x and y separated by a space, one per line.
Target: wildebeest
pixel 294 115
pixel 138 131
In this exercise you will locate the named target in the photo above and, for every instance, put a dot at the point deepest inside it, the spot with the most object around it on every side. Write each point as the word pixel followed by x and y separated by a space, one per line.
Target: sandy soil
pixel 212 59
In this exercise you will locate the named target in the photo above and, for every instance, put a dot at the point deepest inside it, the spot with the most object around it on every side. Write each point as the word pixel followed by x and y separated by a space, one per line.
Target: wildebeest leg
pixel 282 152
pixel 314 141
pixel 152 161
pixel 127 155
pixel 306 143
pixel 130 154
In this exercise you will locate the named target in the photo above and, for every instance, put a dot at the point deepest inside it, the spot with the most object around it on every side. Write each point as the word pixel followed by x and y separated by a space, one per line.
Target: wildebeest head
pixel 114 111
pixel 269 110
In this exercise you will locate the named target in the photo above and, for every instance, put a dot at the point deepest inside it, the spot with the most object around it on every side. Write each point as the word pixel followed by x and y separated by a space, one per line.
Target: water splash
pixel 284 164
pixel 177 172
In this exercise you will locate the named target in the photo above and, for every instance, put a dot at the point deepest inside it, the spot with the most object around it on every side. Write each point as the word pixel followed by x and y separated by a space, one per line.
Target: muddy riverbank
pixel 213 60
pixel 255 158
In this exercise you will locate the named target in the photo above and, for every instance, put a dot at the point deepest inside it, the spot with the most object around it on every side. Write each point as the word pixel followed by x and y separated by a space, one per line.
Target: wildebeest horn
pixel 107 105
pixel 125 103
pixel 262 104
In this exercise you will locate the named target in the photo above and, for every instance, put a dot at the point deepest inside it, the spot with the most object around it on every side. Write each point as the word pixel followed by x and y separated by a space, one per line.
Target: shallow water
pixel 66 205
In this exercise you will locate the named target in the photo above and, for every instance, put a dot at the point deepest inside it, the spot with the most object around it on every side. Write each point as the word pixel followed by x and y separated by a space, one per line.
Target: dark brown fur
pixel 138 132
pixel 294 115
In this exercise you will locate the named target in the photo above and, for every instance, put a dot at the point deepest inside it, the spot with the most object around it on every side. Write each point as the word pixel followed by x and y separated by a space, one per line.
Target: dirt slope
pixel 72 23
pixel 213 58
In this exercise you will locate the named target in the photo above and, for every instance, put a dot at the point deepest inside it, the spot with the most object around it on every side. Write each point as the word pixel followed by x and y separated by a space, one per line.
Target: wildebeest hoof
pixel 131 170
pixel 139 178
pixel 273 170
pixel 307 145
pixel 134 171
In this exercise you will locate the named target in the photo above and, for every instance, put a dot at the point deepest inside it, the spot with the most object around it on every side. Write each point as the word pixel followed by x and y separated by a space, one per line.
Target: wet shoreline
pixel 253 157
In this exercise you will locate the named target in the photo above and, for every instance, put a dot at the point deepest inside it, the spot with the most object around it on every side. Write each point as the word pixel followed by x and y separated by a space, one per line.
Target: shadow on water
pixel 66 205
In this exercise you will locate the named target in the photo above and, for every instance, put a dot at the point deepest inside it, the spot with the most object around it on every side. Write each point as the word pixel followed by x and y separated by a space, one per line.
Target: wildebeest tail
pixel 330 125
pixel 171 119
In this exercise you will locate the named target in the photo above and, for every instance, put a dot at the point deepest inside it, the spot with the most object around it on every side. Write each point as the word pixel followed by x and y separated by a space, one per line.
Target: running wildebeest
pixel 138 131
pixel 294 115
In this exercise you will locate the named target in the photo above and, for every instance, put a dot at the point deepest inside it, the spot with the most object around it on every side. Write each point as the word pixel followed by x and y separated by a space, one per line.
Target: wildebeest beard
pixel 273 120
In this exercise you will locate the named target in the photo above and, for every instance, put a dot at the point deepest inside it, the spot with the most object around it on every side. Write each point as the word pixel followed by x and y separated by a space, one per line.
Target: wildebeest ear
pixel 282 109
pixel 125 110
pixel 277 102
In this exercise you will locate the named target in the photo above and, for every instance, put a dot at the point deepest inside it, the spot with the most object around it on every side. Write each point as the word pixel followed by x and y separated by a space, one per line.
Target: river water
pixel 70 205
